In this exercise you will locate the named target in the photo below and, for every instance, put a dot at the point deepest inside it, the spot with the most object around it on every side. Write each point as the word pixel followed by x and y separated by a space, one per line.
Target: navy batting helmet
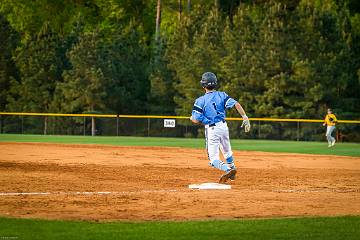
pixel 208 80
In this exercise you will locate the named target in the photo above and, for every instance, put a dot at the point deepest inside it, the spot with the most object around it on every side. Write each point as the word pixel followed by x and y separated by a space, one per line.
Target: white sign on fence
pixel 169 123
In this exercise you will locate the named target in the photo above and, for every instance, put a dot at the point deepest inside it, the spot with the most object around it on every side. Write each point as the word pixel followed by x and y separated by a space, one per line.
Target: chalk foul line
pixel 315 190
pixel 84 193
pixel 3 194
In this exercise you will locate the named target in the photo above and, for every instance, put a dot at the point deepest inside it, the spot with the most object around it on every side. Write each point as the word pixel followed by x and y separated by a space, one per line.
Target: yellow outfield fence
pixel 167 117
pixel 168 126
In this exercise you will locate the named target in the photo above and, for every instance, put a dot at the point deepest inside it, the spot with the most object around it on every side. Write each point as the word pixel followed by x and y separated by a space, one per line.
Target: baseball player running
pixel 330 120
pixel 209 110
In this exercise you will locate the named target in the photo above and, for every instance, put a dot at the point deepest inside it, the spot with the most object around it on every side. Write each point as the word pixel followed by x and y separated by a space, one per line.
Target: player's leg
pixel 333 140
pixel 225 148
pixel 212 146
pixel 328 135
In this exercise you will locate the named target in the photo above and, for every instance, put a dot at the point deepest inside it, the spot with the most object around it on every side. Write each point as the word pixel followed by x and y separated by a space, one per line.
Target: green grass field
pixel 294 228
pixel 282 228
pixel 344 149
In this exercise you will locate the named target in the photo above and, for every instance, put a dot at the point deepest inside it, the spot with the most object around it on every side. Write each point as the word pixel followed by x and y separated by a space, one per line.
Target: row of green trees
pixel 278 58
pixel 277 62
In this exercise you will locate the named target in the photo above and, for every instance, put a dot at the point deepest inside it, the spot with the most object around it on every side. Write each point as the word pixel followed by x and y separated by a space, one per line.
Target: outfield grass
pixel 292 228
pixel 344 149
pixel 296 228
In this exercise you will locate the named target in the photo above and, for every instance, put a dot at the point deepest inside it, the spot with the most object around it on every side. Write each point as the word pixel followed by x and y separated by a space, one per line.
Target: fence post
pixel 259 130
pixel 148 127
pixel 52 125
pixel 1 123
pixel 117 124
pixel 93 127
pixel 45 125
pixel 22 124
pixel 84 126
pixel 298 130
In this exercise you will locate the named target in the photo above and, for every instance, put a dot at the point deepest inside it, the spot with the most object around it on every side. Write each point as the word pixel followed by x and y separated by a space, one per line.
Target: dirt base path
pixel 151 183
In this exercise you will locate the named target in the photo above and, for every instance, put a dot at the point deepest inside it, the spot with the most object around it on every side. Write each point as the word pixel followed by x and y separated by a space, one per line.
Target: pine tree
pixel 162 92
pixel 243 61
pixel 40 67
pixel 327 35
pixel 9 39
pixel 126 68
pixel 195 49
pixel 83 86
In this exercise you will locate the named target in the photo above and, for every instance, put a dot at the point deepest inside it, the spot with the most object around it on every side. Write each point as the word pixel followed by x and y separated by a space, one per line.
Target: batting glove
pixel 246 123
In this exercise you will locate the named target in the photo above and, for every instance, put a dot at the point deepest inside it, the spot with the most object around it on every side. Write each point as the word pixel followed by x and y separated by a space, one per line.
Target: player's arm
pixel 230 103
pixel 199 119
pixel 246 121
pixel 194 120
pixel 240 110
pixel 325 120
pixel 197 115
pixel 335 119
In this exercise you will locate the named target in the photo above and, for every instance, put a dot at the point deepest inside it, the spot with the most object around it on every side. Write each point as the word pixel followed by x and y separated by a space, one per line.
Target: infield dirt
pixel 151 183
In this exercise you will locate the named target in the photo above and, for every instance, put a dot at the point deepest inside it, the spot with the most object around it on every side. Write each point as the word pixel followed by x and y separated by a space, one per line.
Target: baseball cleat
pixel 233 176
pixel 227 175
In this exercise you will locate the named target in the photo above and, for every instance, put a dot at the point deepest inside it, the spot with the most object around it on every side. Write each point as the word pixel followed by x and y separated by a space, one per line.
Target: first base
pixel 207 186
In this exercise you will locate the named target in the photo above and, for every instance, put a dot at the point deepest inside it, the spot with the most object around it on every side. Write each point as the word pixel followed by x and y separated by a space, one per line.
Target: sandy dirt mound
pixel 151 183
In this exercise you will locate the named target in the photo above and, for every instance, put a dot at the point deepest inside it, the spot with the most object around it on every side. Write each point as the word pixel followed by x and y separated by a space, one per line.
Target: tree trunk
pixel 158 21
pixel 93 128
pixel 217 5
pixel 189 6
pixel 180 9
pixel 45 125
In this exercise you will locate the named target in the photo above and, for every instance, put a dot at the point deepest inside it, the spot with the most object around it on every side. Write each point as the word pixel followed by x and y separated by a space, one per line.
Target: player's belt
pixel 214 124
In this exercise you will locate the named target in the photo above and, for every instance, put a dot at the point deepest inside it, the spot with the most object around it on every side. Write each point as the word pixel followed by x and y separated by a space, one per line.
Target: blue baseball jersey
pixel 210 108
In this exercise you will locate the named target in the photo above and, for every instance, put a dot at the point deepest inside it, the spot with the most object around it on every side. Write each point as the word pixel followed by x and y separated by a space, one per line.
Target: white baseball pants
pixel 329 131
pixel 217 138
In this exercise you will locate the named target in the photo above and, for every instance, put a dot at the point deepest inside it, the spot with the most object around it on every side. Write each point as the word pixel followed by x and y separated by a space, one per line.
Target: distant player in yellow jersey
pixel 330 121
